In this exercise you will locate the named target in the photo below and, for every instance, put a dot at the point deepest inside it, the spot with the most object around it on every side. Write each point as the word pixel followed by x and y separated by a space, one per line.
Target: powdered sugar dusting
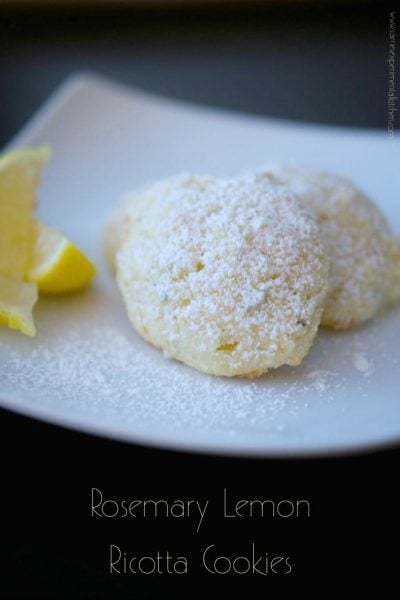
pixel 227 275
pixel 107 373
pixel 361 363
pixel 97 369
pixel 363 253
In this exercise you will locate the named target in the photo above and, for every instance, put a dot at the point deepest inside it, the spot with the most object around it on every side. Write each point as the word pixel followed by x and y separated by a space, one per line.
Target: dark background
pixel 318 64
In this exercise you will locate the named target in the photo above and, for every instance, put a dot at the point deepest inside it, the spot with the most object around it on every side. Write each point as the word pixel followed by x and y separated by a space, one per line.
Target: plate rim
pixel 113 431
pixel 81 78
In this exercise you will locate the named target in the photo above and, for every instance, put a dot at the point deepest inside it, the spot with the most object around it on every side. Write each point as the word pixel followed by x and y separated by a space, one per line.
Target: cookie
pixel 226 275
pixel 364 254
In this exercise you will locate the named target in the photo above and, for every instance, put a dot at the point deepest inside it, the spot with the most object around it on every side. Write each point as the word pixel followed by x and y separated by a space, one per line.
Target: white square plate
pixel 87 369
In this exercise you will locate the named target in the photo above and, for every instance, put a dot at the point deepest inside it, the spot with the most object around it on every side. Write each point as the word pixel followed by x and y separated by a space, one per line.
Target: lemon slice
pixel 57 266
pixel 19 178
pixel 17 300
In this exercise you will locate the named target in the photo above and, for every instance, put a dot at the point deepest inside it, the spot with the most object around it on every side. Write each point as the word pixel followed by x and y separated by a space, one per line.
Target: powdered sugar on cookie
pixel 227 275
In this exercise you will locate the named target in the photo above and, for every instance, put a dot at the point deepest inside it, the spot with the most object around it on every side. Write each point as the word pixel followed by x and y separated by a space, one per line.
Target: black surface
pixel 316 65
pixel 52 548
pixel 319 65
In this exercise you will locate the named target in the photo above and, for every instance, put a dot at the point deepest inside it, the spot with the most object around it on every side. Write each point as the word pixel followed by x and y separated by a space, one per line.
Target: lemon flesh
pixel 57 265
pixel 17 300
pixel 19 178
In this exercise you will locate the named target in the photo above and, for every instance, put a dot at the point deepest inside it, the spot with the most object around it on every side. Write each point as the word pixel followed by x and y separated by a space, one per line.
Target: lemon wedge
pixel 57 265
pixel 17 300
pixel 19 178
pixel 33 257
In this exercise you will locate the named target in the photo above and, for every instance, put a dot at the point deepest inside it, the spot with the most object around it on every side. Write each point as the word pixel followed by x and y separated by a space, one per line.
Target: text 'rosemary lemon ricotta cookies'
pixel 226 275
pixel 364 254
